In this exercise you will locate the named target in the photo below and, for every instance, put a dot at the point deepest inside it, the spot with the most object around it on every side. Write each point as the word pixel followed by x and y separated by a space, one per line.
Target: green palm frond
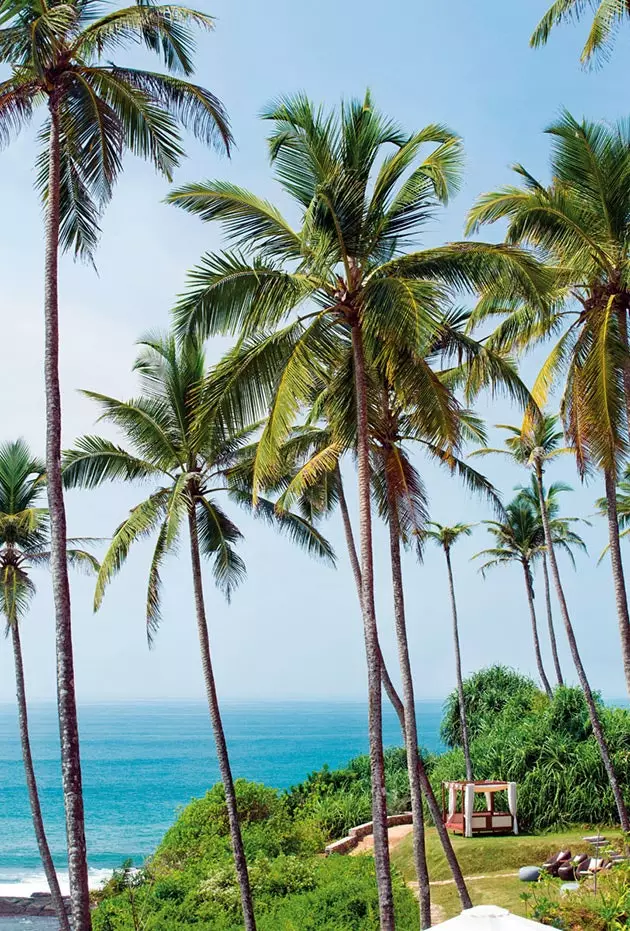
pixel 246 219
pixel 228 295
pixel 217 534
pixel 141 523
pixel 16 593
pixel 95 460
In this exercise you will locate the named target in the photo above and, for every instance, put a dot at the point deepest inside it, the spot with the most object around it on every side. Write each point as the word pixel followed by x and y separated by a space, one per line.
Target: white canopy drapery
pixel 511 796
pixel 469 807
pixel 452 799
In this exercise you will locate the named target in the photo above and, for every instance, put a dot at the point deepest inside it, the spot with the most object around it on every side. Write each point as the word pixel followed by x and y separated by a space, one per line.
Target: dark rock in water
pixel 37 905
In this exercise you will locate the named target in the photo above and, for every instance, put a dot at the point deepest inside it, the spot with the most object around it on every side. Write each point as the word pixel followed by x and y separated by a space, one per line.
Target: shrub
pixel 489 693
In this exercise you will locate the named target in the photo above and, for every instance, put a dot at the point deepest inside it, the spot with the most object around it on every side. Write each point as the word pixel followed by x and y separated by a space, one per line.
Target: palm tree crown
pixel 364 192
pixel 188 459
pixel 24 529
pixel 58 54
pixel 445 536
pixel 608 17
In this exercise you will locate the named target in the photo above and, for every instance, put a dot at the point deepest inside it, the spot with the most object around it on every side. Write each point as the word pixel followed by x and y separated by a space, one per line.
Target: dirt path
pixel 449 882
pixel 395 835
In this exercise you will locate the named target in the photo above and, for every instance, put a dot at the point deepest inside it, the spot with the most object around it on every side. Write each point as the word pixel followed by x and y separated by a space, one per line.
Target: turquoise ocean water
pixel 141 762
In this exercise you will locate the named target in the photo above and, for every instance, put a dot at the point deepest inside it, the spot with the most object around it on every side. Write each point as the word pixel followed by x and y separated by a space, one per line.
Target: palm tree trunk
pixel 66 699
pixel 458 670
pixel 399 708
pixel 411 727
pixel 217 726
pixel 552 631
pixel 532 613
pixel 31 785
pixel 372 650
pixel 577 660
pixel 618 573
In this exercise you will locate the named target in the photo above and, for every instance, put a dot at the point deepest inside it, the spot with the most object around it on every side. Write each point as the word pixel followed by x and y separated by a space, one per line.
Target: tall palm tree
pixel 519 538
pixel 608 17
pixel 580 223
pixel 534 444
pixel 24 545
pixel 446 537
pixel 561 528
pixel 362 193
pixel 60 57
pixel 314 480
pixel 187 459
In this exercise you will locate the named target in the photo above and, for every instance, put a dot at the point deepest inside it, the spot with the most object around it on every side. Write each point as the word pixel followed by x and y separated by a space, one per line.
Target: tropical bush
pixel 548 748
pixel 191 880
pixel 488 693
pixel 605 908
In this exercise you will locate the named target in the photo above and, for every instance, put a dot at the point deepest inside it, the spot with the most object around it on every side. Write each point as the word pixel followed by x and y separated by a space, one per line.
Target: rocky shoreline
pixel 37 905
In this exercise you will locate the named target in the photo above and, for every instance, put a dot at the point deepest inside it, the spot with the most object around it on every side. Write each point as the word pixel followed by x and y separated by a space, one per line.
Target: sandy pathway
pixel 395 836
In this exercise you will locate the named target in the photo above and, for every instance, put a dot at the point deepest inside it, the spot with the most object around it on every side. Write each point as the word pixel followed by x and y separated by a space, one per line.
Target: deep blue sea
pixel 142 762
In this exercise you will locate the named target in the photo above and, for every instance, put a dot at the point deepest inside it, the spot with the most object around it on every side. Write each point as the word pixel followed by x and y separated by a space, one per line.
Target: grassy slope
pixel 488 856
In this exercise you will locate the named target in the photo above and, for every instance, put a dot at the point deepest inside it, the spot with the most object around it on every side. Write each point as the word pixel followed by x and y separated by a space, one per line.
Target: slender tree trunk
pixel 618 574
pixel 31 785
pixel 217 726
pixel 372 649
pixel 66 699
pixel 552 631
pixel 458 669
pixel 399 708
pixel 411 726
pixel 532 613
pixel 577 660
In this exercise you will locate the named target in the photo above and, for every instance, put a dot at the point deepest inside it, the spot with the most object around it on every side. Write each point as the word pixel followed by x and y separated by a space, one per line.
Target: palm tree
pixel 362 193
pixel 536 443
pixel 607 20
pixel 622 503
pixel 581 225
pixel 314 480
pixel 562 534
pixel 446 537
pixel 519 538
pixel 59 54
pixel 187 458
pixel 24 542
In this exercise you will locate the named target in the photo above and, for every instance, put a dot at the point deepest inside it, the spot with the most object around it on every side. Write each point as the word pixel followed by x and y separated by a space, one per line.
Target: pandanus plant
pixel 25 546
pixel 60 60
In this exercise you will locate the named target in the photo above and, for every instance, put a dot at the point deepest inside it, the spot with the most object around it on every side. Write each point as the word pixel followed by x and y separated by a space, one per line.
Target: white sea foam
pixel 35 881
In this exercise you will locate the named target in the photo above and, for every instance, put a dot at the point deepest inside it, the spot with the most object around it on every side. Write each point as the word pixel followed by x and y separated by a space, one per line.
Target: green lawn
pixel 489 856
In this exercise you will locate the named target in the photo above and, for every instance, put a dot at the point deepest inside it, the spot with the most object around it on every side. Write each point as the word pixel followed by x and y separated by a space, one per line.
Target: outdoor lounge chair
pixel 553 864
pixel 591 866
pixel 568 870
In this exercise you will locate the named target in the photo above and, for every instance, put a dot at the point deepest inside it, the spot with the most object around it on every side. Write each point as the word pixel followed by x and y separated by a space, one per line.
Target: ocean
pixel 143 761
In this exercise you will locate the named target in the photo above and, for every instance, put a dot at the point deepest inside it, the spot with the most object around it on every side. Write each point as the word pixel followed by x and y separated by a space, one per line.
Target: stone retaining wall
pixel 346 844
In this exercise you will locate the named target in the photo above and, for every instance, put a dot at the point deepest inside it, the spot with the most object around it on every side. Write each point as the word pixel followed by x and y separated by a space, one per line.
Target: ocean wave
pixel 25 883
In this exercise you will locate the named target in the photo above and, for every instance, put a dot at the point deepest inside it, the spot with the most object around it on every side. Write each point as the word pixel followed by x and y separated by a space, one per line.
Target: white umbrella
pixel 489 918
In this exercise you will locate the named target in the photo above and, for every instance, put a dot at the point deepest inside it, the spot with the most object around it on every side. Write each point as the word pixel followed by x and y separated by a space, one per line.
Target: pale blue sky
pixel 293 629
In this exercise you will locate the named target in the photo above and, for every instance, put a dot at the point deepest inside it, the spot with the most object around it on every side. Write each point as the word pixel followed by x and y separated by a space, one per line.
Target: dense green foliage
pixel 546 746
pixel 488 694
pixel 605 908
pixel 191 882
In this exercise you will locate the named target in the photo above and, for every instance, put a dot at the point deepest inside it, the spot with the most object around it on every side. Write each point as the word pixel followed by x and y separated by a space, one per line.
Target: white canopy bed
pixel 461 816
